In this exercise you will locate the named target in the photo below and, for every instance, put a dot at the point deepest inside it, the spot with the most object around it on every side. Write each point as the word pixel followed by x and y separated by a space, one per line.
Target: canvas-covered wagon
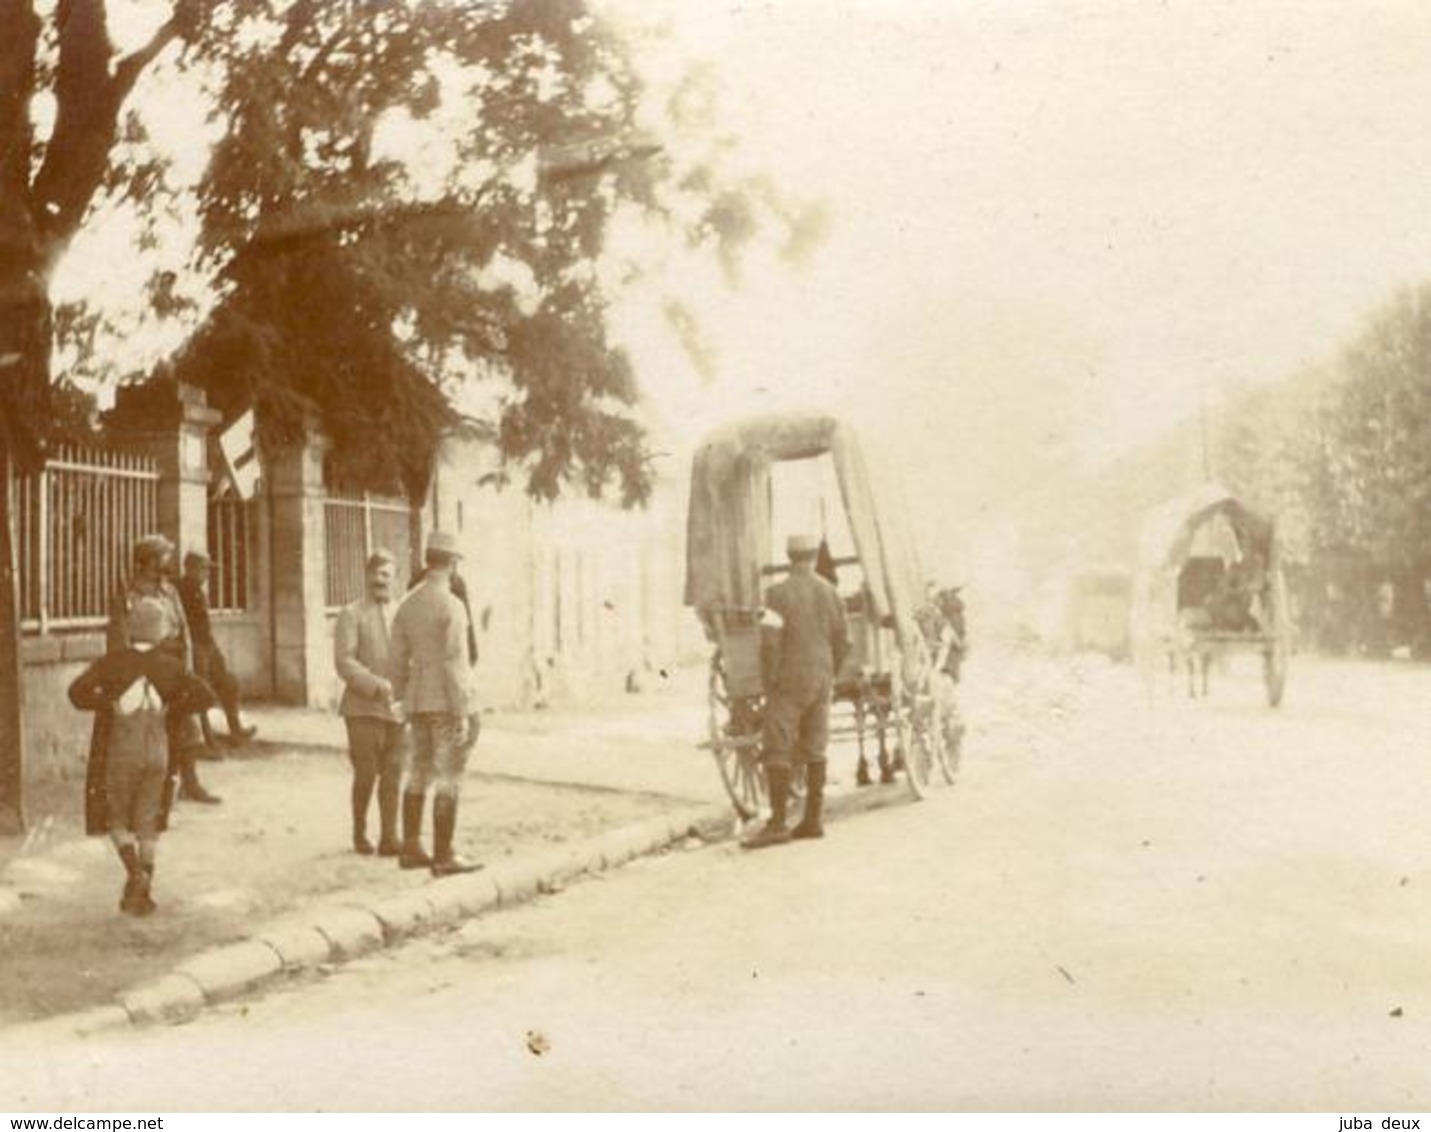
pixel 1211 581
pixel 886 683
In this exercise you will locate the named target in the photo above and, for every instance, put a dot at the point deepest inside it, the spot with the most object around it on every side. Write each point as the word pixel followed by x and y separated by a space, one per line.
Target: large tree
pixel 48 182
pixel 358 276
pixel 379 165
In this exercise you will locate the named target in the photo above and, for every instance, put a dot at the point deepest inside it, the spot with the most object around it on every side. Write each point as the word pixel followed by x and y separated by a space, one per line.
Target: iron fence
pixel 75 521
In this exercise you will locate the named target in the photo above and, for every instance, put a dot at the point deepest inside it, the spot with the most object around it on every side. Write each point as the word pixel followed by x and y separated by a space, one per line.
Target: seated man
pixel 209 662
pixel 1229 607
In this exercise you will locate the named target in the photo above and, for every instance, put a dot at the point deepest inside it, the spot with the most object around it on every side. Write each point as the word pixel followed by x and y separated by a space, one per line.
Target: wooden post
pixel 12 690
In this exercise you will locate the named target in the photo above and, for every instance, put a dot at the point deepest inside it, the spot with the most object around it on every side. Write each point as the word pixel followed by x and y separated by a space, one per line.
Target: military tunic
pixel 813 642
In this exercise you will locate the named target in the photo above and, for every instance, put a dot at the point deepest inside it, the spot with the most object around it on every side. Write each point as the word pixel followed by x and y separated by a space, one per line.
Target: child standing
pixel 138 684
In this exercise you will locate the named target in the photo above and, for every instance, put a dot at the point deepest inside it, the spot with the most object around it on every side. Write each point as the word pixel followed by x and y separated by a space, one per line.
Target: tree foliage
pixel 410 198
pixel 49 179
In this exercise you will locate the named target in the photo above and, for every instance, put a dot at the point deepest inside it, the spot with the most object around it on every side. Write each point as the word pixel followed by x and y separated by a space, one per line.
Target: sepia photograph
pixel 673 556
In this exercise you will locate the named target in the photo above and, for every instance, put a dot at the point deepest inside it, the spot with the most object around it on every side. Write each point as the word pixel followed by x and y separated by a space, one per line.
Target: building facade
pixel 571 600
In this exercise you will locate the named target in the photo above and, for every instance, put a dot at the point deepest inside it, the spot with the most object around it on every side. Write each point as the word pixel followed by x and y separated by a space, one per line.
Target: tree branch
pixel 322 222
pixel 128 69
pixel 17 87
pixel 89 100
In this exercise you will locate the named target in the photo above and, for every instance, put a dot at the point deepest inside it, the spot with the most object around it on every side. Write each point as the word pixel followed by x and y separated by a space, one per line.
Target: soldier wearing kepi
pixel 813 642
pixel 361 656
pixel 432 676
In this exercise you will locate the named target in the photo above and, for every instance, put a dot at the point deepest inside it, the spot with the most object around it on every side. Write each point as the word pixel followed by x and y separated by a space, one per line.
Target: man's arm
pixel 190 695
pixel 88 691
pixel 455 667
pixel 351 670
pixel 839 630
pixel 399 655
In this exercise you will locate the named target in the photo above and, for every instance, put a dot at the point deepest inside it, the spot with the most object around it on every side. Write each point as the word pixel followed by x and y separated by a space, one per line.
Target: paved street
pixel 1121 906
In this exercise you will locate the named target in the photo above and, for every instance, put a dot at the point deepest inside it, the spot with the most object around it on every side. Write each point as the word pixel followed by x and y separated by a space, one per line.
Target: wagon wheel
pixel 1274 670
pixel 920 741
pixel 733 724
pixel 1275 659
pixel 951 728
pixel 734 734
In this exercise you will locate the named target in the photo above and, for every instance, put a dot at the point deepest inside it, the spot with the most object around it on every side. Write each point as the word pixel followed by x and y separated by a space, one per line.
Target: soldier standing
pixel 813 642
pixel 375 726
pixel 432 676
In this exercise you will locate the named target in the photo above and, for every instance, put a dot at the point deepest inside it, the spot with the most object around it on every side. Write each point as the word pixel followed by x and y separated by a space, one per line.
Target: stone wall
pixel 56 735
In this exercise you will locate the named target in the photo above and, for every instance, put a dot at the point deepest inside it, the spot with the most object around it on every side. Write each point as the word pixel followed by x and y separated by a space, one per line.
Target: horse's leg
pixel 886 764
pixel 862 768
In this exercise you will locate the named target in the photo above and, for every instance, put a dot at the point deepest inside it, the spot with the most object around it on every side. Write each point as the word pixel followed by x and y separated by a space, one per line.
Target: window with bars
pixel 230 526
pixel 353 527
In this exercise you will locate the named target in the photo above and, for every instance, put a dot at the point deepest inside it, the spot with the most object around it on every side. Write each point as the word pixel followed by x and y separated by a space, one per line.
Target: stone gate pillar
pixel 301 648
pixel 171 423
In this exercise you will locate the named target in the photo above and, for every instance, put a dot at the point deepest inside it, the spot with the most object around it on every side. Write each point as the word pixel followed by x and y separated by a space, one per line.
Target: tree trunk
pixel 25 341
pixel 12 689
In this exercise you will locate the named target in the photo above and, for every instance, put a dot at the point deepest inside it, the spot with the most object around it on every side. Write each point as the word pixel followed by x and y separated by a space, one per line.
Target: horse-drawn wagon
pixel 1211 582
pixel 885 691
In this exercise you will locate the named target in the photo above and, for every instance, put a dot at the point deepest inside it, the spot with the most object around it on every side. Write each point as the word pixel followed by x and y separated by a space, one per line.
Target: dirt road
pixel 1121 906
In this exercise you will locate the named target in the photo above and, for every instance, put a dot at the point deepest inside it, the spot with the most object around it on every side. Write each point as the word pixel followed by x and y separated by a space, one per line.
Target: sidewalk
pixel 279 843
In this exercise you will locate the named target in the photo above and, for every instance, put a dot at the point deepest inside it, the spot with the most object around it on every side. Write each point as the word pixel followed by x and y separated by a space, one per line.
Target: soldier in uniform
pixel 374 723
pixel 432 676
pixel 813 642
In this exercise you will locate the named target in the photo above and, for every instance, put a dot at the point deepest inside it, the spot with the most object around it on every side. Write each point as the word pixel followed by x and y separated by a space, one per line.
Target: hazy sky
pixel 1055 224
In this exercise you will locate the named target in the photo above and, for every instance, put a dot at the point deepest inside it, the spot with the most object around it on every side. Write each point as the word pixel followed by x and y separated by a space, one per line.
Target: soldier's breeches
pixel 797 727
pixel 438 757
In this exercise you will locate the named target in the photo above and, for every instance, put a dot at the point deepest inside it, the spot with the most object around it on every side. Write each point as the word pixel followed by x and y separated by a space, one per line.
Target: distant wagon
pixel 1211 581
pixel 886 683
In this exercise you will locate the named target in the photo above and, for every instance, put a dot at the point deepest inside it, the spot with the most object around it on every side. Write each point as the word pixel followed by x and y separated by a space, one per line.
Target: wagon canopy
pixel 1169 530
pixel 728 525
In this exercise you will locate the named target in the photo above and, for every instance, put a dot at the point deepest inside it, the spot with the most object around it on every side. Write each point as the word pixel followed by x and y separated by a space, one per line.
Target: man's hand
pixel 383 689
pixel 471 729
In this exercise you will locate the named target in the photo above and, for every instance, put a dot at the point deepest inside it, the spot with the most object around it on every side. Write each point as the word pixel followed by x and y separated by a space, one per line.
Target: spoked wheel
pixel 734 733
pixel 733 726
pixel 1274 671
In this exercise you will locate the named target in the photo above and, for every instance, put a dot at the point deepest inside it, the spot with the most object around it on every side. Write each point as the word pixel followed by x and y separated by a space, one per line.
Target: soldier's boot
pixel 362 796
pixel 133 880
pixel 239 732
pixel 190 788
pixel 166 802
pixel 774 831
pixel 445 863
pixel 413 856
pixel 211 749
pixel 143 897
pixel 388 844
pixel 810 826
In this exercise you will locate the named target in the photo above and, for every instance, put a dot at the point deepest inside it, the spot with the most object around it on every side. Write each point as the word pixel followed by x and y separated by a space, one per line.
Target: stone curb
pixel 336 933
pixel 339 932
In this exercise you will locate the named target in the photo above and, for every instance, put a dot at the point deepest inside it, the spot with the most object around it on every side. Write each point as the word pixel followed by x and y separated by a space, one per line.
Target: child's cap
pixel 147 622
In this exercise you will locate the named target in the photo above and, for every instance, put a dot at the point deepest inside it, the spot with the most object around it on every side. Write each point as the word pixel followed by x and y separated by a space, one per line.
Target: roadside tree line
pixel 1341 454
